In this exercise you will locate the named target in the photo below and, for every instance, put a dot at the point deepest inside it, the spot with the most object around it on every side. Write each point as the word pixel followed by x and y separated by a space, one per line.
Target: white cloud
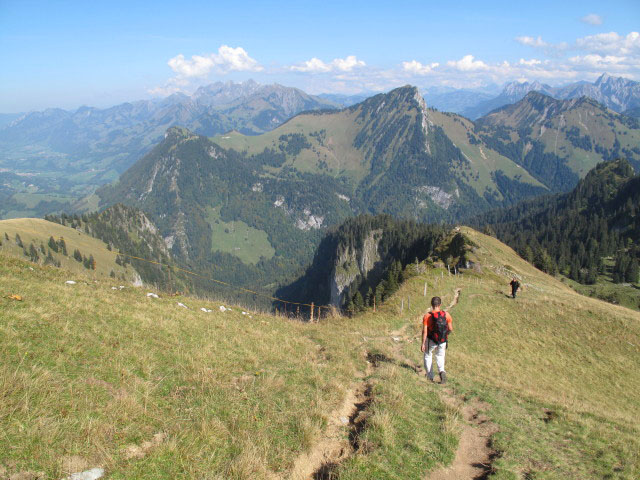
pixel 468 64
pixel 315 65
pixel 227 59
pixel 604 63
pixel 529 63
pixel 532 42
pixel 592 19
pixel 347 64
pixel 418 68
pixel 611 43
pixel 196 67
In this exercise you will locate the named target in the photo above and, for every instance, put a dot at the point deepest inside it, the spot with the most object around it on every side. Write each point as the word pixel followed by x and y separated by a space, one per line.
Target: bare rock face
pixel 349 266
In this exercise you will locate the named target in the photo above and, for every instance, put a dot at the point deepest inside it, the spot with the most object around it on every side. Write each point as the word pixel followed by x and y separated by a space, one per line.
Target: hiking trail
pixel 474 455
pixel 321 462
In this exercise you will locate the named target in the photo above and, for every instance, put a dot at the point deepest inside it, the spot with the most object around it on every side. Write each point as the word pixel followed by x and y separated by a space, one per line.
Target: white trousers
pixel 440 351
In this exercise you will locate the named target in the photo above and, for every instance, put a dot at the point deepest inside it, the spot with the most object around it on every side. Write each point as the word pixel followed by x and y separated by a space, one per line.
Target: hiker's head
pixel 436 302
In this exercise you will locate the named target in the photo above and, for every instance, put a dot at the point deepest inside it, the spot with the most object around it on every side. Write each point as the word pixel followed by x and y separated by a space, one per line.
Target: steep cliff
pixel 363 255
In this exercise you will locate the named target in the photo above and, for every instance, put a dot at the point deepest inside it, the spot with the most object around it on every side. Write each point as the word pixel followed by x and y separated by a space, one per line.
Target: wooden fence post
pixel 425 290
pixel 312 312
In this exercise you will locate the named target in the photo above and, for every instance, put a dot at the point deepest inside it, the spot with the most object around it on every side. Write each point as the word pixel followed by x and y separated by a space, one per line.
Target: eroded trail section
pixel 341 438
pixel 475 454
pixel 456 297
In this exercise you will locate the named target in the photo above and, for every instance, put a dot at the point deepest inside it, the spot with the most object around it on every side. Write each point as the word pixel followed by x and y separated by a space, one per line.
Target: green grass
pixel 409 430
pixel 39 231
pixel 550 349
pixel 31 200
pixel 237 238
pixel 625 294
pixel 89 371
pixel 483 160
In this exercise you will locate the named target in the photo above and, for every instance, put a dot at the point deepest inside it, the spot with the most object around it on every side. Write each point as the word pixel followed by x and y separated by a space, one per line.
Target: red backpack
pixel 440 330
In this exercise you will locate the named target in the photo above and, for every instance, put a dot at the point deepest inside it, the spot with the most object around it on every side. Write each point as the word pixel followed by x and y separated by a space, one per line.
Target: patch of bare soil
pixel 139 451
pixel 475 454
pixel 322 462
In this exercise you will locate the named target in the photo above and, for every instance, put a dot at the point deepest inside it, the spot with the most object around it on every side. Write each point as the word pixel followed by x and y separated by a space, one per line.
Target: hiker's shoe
pixel 443 377
pixel 429 378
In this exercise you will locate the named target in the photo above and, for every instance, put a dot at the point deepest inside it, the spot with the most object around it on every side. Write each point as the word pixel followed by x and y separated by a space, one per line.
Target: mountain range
pixel 68 154
pixel 616 93
pixel 50 159
pixel 254 208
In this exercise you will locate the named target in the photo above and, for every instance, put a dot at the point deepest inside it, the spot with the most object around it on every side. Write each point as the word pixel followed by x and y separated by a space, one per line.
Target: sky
pixel 71 53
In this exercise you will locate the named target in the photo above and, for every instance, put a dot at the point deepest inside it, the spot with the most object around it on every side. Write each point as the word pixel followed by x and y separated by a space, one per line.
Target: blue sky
pixel 67 53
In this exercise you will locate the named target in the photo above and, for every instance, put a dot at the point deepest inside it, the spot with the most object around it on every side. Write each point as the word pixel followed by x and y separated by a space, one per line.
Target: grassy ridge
pixel 561 371
pixel 98 372
pixel 39 231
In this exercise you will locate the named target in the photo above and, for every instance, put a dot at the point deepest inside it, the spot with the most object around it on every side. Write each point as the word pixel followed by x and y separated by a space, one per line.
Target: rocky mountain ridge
pixel 389 154
pixel 616 93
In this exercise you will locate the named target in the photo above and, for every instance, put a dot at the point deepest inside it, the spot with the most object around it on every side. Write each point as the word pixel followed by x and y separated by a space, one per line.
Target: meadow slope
pixel 146 388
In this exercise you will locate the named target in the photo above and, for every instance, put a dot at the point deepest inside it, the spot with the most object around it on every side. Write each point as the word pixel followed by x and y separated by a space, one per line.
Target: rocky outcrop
pixel 352 263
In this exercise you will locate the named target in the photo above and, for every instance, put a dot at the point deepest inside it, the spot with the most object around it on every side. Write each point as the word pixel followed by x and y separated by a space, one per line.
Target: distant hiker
pixel 515 285
pixel 436 327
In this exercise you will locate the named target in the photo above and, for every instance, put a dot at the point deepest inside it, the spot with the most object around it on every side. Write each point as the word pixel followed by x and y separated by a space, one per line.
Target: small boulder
pixel 92 474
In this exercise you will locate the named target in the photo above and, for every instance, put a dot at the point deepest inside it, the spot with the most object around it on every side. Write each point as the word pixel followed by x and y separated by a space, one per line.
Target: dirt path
pixel 327 454
pixel 474 455
pixel 456 297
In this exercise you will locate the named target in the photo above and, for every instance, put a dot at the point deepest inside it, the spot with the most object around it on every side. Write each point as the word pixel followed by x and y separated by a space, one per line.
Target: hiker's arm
pixel 449 323
pixel 423 347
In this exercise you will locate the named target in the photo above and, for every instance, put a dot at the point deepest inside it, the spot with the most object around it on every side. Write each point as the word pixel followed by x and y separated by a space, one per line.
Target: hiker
pixel 515 285
pixel 436 327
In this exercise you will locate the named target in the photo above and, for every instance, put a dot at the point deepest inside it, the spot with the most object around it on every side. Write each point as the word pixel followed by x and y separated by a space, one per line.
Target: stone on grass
pixel 92 474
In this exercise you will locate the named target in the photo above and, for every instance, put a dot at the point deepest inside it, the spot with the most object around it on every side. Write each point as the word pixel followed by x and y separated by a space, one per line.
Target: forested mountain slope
pixel 256 207
pixel 573 232
pixel 64 155
pixel 559 141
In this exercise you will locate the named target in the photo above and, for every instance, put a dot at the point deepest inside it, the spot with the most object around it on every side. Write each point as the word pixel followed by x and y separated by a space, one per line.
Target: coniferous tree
pixel 33 253
pixel 368 299
pixel 358 303
pixel 631 274
pixel 19 241
pixel 62 246
pixel 53 245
